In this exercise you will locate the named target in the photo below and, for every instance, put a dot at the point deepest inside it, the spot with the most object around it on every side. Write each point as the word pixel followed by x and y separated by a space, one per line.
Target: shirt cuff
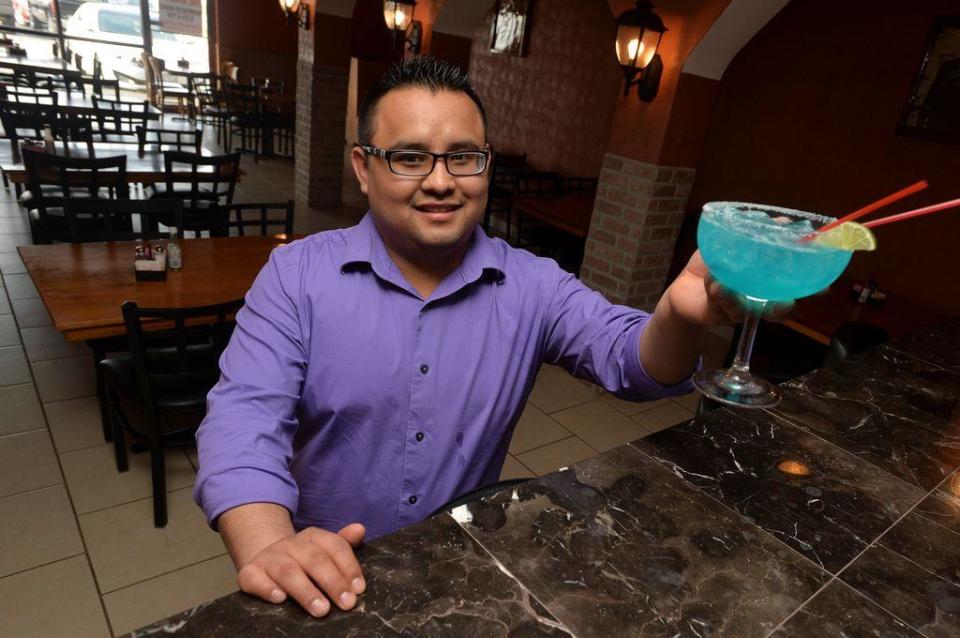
pixel 645 386
pixel 220 491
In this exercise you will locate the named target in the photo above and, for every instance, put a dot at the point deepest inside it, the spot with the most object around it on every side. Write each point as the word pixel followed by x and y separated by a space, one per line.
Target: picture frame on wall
pixel 933 108
pixel 509 33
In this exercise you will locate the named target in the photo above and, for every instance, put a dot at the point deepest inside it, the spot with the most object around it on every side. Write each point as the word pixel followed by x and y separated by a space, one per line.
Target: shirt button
pixel 413 500
pixel 419 436
pixel 424 368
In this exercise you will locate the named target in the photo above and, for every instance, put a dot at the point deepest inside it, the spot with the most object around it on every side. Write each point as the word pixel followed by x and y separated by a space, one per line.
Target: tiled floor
pixel 76 530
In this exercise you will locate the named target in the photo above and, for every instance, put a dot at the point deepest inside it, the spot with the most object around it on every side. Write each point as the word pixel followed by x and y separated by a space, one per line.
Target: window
pixel 120 23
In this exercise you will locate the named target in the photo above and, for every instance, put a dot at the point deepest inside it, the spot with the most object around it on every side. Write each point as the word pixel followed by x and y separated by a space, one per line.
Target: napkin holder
pixel 152 269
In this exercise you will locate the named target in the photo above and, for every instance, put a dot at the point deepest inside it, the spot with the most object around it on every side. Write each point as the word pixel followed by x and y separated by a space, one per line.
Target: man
pixel 377 372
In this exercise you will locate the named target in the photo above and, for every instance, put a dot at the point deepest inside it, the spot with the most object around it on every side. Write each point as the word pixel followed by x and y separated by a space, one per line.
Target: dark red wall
pixel 805 117
pixel 254 34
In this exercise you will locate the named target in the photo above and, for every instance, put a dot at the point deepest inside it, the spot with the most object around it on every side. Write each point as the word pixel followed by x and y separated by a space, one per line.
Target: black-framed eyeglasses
pixel 410 163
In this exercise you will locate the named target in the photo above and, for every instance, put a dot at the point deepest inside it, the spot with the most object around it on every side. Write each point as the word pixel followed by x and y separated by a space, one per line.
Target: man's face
pixel 431 215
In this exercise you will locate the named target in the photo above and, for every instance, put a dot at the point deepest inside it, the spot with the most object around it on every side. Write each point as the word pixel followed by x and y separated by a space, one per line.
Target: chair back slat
pixel 169 139
pixel 268 217
pixel 120 117
pixel 92 220
pixel 539 184
pixel 52 179
pixel 186 355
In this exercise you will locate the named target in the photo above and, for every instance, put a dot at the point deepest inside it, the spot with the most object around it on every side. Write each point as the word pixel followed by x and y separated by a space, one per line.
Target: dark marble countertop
pixel 835 514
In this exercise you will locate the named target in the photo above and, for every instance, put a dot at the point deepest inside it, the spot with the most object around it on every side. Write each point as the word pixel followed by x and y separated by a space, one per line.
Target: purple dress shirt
pixel 346 397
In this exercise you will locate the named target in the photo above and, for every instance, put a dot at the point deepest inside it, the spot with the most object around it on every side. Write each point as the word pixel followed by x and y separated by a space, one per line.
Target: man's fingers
pixel 325 572
pixel 729 302
pixel 290 575
pixel 341 553
pixel 254 581
pixel 354 533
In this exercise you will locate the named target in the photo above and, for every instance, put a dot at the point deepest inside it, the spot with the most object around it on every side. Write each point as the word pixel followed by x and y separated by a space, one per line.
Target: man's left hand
pixel 696 297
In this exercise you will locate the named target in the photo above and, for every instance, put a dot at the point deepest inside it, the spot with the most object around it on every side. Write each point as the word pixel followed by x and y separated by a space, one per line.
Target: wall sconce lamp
pixel 296 10
pixel 639 31
pixel 398 14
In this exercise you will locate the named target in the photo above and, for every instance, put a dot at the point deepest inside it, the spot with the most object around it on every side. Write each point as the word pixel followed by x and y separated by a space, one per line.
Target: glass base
pixel 738 390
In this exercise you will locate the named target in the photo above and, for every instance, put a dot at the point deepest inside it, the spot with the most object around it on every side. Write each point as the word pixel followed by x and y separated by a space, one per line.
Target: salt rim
pixel 719 208
pixel 714 206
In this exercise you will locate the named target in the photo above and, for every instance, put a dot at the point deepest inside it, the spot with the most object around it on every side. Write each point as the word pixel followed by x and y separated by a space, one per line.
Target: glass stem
pixel 740 369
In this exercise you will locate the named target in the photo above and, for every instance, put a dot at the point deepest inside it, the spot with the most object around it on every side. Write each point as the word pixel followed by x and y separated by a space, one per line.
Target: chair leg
pixel 119 443
pixel 102 398
pixel 159 472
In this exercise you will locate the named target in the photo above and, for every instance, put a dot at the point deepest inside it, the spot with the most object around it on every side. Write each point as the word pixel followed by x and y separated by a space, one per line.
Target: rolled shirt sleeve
pixel 600 341
pixel 245 443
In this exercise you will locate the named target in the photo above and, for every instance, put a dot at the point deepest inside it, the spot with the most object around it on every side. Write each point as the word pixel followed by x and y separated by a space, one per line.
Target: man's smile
pixel 438 208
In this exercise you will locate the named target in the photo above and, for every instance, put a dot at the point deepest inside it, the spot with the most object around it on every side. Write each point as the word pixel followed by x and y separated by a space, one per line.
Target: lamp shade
pixel 398 13
pixel 639 31
pixel 289 6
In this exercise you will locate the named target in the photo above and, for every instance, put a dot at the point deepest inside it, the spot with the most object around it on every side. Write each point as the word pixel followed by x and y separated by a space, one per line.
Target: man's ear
pixel 358 158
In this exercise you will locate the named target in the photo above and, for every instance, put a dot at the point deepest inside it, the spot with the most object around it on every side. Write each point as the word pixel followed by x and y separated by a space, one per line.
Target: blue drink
pixel 756 251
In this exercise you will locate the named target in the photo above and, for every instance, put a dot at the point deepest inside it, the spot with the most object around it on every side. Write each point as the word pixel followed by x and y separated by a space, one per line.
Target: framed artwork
pixel 933 109
pixel 511 26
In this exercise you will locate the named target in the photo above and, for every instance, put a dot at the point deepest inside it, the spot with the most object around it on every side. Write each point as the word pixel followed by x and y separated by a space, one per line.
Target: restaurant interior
pixel 232 123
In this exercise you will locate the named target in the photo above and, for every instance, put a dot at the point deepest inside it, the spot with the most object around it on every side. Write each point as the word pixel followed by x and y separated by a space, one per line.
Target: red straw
pixel 869 208
pixel 912 213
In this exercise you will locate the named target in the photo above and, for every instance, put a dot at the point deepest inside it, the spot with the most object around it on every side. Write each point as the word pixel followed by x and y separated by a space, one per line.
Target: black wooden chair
pixel 102 88
pixel 157 393
pixel 206 185
pixel 28 95
pixel 212 107
pixel 92 220
pixel 51 179
pixel 161 139
pixel 504 178
pixel 202 87
pixel 261 216
pixel 120 118
pixel 546 240
pixel 532 235
pixel 245 117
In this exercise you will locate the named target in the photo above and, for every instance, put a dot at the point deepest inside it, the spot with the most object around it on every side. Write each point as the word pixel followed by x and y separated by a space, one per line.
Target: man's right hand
pixel 313 566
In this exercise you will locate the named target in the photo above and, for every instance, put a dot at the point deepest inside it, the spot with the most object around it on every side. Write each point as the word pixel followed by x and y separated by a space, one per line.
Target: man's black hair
pixel 422 71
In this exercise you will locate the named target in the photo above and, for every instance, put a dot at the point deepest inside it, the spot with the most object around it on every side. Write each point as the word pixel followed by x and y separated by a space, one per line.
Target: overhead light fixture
pixel 398 14
pixel 639 31
pixel 296 11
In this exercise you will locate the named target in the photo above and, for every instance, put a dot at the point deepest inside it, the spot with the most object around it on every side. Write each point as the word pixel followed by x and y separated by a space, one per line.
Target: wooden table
pixel 818 317
pixel 76 103
pixel 83 285
pixel 37 65
pixel 570 214
pixel 148 169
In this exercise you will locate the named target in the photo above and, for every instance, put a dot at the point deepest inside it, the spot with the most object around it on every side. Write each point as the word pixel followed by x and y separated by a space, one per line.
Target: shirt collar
pixel 365 246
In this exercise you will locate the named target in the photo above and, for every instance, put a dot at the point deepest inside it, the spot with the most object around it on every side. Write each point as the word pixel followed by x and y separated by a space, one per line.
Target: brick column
pixel 321 119
pixel 636 221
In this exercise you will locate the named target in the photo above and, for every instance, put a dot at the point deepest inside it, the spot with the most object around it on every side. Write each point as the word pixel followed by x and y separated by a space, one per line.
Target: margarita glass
pixel 756 251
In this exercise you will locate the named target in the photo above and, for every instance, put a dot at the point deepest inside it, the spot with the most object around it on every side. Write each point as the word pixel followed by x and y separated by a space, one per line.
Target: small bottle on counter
pixel 174 253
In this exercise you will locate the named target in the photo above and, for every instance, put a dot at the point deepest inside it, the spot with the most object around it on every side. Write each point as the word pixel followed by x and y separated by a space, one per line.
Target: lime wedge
pixel 848 236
